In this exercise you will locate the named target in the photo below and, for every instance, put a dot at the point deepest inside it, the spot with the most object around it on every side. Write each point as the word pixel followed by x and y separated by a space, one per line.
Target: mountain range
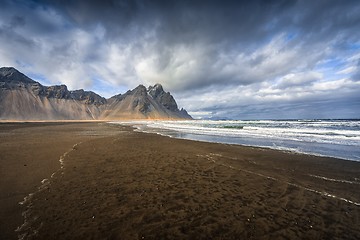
pixel 22 98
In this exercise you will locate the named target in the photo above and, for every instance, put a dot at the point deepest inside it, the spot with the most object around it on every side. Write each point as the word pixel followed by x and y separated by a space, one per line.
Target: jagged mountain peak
pixel 165 98
pixel 12 75
pixel 139 90
pixel 157 86
pixel 150 103
pixel 8 69
pixel 155 90
pixel 24 98
pixel 88 97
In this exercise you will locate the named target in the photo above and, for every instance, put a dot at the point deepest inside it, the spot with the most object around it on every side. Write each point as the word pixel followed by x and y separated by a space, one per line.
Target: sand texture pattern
pixel 119 184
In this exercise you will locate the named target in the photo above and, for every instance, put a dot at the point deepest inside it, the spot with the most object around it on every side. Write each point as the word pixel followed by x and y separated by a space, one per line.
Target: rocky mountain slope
pixel 22 98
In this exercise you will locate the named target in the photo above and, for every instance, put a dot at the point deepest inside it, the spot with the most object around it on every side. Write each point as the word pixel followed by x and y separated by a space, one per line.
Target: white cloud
pixel 347 70
pixel 298 79
pixel 341 84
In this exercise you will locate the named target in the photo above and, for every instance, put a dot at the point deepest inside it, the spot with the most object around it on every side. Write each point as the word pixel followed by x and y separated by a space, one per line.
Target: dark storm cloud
pixel 217 21
pixel 7 31
pixel 177 20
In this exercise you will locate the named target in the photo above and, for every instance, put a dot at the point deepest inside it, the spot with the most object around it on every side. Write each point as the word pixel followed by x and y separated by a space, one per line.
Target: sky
pixel 268 59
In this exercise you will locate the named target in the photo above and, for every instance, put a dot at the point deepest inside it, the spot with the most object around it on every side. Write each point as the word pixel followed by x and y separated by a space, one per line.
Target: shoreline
pixel 327 139
pixel 288 151
pixel 285 150
pixel 192 189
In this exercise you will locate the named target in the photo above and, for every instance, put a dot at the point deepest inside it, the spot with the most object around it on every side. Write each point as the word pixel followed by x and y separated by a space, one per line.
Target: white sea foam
pixel 333 138
pixel 27 201
pixel 264 130
pixel 334 180
pixel 44 181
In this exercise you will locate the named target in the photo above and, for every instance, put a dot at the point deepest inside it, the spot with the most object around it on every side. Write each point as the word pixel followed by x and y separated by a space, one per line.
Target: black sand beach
pixel 119 184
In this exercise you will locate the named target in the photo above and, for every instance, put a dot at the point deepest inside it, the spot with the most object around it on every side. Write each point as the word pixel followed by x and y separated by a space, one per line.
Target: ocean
pixel 332 138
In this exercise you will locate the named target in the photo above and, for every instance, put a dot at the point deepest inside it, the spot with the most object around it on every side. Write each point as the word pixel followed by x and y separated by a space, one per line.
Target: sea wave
pixel 335 138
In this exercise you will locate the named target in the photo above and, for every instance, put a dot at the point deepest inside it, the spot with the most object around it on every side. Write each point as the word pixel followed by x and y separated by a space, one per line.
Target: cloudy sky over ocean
pixel 234 59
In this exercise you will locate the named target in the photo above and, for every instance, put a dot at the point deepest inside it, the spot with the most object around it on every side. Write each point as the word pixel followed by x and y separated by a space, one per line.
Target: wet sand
pixel 119 184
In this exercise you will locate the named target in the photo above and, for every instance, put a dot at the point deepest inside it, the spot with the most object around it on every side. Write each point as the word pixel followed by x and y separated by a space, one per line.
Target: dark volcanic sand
pixel 120 184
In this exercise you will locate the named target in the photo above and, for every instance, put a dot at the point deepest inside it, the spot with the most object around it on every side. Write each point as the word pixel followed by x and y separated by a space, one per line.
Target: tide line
pixel 27 201
pixel 211 156
pixel 334 180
